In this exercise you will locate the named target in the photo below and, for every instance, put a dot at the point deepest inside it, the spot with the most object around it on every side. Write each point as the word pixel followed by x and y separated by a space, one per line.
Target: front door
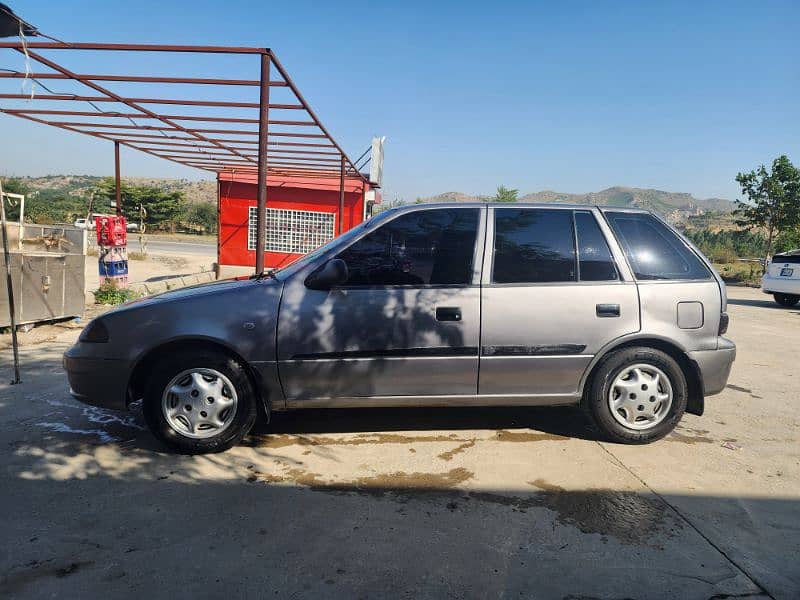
pixel 553 296
pixel 405 324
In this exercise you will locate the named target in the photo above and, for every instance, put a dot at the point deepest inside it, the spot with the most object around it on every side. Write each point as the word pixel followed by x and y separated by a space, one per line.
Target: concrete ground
pixel 457 503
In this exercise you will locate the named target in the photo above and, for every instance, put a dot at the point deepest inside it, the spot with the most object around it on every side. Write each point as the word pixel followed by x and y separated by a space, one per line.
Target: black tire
pixel 597 405
pixel 787 300
pixel 241 422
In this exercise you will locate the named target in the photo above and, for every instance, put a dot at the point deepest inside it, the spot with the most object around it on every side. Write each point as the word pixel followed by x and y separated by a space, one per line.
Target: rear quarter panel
pixel 659 309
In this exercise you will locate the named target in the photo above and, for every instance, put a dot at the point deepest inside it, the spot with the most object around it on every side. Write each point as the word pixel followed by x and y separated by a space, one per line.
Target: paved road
pixel 459 503
pixel 166 247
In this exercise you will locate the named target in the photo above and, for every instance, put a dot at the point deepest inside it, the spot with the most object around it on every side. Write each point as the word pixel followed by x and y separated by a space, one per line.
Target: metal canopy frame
pixel 218 140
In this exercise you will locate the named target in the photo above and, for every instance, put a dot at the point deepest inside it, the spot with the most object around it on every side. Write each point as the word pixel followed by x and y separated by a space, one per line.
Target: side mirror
pixel 334 272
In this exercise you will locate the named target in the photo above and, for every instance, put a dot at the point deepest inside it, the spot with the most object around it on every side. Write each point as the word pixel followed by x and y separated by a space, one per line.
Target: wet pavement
pixel 455 503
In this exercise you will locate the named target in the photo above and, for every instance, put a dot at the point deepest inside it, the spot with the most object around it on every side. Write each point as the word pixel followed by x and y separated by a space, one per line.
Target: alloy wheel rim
pixel 199 403
pixel 640 397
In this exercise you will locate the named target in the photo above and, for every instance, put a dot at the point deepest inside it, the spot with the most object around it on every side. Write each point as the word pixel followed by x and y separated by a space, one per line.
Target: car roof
pixel 556 205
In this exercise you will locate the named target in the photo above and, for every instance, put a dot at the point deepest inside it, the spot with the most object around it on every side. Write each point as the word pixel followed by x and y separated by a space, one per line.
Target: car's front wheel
pixel 787 300
pixel 637 395
pixel 200 402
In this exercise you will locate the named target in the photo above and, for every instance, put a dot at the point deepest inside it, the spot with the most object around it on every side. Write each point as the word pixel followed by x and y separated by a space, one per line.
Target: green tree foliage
pixel 13 186
pixel 505 195
pixel 44 206
pixel 773 200
pixel 164 209
pixel 202 215
pixel 788 240
pixel 727 246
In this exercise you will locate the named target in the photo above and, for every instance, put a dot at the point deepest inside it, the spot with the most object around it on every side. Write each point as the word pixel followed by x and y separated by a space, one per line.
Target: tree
pixel 505 195
pixel 773 200
pixel 203 214
pixel 163 209
pixel 13 185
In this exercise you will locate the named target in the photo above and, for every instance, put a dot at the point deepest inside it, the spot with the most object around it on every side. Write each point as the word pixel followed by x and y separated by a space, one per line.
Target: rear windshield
pixel 786 258
pixel 653 249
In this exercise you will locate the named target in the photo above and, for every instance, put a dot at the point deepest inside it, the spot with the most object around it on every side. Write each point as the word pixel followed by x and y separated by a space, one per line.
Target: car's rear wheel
pixel 200 402
pixel 637 395
pixel 786 299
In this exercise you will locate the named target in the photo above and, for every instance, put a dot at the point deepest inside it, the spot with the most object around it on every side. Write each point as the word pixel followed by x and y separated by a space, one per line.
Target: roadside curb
pixel 148 288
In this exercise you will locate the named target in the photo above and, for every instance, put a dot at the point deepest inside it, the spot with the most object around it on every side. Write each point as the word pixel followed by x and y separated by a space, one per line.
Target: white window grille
pixel 293 231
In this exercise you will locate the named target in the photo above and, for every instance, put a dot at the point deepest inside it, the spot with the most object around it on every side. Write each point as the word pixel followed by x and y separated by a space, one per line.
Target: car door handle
pixel 448 313
pixel 607 310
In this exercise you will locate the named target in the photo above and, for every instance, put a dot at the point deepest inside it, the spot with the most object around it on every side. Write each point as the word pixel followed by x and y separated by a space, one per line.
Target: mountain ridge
pixel 675 206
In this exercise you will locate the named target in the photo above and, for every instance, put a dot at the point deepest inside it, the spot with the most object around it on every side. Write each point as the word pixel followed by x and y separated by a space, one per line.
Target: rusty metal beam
pixel 136 47
pixel 93 134
pixel 98 88
pixel 178 141
pixel 128 101
pixel 138 79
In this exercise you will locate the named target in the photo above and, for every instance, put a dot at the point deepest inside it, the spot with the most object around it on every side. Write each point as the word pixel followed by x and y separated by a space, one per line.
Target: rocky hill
pixel 78 185
pixel 675 206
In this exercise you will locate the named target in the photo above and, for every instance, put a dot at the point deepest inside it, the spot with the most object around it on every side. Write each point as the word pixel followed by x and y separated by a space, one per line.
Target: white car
pixel 782 279
pixel 84 223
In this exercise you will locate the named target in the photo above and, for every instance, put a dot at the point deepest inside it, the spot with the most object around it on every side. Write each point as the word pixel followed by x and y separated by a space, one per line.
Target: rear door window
pixel 533 245
pixel 595 262
pixel 425 247
pixel 654 251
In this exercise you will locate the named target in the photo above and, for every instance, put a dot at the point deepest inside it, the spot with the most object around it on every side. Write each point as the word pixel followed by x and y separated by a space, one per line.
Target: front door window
pixel 427 247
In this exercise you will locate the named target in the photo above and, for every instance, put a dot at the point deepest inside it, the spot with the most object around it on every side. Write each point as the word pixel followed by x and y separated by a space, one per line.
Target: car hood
pixel 239 315
pixel 226 286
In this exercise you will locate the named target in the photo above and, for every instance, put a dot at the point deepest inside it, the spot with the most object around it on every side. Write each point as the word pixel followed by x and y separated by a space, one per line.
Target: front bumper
pixel 98 381
pixel 715 365
pixel 780 285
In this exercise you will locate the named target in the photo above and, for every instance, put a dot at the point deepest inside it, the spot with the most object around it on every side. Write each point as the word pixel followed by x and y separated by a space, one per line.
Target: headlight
pixel 94 332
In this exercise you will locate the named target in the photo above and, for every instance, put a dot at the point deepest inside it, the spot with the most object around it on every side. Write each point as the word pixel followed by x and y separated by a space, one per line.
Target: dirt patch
pixel 177 262
pixel 384 483
pixel 284 440
pixel 690 436
pixel 676 436
pixel 525 436
pixel 546 486
pixel 290 475
pixel 400 481
pixel 457 450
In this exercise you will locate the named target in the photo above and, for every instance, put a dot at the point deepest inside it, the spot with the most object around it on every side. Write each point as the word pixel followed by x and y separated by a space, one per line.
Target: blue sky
pixel 569 96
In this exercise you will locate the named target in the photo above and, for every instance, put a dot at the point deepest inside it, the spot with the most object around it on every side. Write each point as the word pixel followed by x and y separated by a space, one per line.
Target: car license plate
pixel 786 272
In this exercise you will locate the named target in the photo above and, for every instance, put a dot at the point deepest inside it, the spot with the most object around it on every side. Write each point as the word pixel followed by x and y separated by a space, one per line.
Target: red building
pixel 302 214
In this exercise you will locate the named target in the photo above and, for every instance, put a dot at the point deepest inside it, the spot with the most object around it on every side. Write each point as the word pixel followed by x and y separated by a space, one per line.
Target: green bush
pixel 109 293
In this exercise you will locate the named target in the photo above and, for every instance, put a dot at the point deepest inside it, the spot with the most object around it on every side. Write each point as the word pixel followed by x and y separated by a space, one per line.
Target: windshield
pixel 342 240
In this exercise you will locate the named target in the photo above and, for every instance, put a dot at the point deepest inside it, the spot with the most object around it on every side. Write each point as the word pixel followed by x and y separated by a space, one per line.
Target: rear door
pixel 406 323
pixel 552 297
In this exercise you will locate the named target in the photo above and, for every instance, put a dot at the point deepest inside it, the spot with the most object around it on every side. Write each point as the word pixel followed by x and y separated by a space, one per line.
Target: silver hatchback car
pixel 430 305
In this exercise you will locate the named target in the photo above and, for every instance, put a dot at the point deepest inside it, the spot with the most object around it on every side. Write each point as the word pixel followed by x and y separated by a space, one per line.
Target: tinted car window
pixel 595 262
pixel 653 250
pixel 533 246
pixel 427 247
